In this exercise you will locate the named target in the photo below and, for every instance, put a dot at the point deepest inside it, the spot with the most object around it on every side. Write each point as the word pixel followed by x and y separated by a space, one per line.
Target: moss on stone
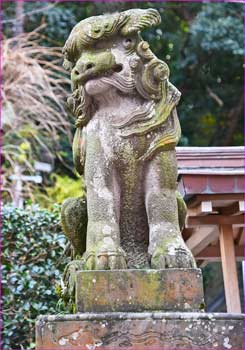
pixel 74 222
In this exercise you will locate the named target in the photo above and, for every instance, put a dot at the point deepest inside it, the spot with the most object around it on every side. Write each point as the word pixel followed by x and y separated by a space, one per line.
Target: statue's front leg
pixel 166 246
pixel 103 249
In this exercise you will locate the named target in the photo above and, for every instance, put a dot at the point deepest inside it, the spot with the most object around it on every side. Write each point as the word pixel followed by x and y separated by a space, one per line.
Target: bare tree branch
pixel 215 97
pixel 19 24
pixel 224 136
pixel 233 118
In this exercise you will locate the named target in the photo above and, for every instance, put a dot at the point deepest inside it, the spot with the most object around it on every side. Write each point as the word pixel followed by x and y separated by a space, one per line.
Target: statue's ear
pixel 138 20
pixel 67 64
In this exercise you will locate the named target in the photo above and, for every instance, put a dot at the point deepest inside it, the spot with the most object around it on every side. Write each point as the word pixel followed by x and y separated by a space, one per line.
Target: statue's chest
pixel 105 132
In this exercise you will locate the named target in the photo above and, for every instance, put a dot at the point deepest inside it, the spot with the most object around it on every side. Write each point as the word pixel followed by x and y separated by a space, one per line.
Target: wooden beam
pixel 241 206
pixel 187 232
pixel 237 220
pixel 202 237
pixel 202 263
pixel 233 209
pixel 204 207
pixel 241 241
pixel 215 197
pixel 229 269
pixel 238 239
pixel 213 253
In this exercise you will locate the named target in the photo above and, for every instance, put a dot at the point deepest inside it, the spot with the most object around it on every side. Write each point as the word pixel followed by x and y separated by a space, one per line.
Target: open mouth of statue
pixel 95 73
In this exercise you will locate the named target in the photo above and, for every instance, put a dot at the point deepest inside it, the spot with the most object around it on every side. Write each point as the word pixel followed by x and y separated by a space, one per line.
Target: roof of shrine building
pixel 211 179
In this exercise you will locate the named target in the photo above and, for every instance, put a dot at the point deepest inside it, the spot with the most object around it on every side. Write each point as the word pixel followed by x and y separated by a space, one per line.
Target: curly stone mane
pixel 149 78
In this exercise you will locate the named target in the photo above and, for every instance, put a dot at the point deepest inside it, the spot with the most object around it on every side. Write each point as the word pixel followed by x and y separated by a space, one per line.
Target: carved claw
pixel 69 279
pixel 102 262
pixel 89 263
pixel 111 260
pixel 174 256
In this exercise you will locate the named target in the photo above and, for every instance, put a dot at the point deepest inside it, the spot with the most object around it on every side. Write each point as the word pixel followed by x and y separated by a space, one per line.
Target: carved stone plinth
pixel 100 295
pixel 139 290
pixel 140 331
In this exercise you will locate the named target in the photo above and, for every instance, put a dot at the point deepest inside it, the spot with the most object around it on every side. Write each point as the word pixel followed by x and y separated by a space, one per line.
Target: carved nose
pixel 89 65
pixel 84 67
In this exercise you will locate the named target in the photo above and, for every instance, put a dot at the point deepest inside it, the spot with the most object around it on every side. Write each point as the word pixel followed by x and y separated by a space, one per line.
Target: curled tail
pixel 182 210
pixel 74 223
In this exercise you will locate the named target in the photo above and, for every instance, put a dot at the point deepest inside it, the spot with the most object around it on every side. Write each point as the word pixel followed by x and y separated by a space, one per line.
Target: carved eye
pixel 128 43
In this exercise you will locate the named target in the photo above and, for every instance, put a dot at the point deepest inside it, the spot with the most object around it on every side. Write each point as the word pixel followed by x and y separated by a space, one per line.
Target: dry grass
pixel 34 89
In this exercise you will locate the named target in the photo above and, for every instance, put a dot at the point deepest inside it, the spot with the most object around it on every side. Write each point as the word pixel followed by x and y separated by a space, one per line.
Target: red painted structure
pixel 211 180
pixel 210 170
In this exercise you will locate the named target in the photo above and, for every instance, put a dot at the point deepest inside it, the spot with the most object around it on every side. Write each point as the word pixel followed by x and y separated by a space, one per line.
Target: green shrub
pixel 32 263
pixel 63 187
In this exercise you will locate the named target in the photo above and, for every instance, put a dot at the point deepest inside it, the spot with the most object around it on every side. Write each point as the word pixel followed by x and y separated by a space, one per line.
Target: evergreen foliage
pixel 32 261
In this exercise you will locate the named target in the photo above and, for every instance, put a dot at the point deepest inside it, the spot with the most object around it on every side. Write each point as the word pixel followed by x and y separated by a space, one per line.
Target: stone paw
pixel 69 279
pixel 174 255
pixel 105 260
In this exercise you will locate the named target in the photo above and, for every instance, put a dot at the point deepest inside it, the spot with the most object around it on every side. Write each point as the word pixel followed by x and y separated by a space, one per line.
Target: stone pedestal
pixel 140 331
pixel 130 310
pixel 139 290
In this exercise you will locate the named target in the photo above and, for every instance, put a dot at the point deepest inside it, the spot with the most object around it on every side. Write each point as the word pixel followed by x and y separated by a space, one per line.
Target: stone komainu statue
pixel 124 146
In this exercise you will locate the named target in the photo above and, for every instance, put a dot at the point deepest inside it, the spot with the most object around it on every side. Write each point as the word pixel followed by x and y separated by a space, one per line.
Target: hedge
pixel 32 263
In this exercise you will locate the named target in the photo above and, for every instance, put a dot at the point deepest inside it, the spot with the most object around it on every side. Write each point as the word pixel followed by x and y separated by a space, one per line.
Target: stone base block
pixel 140 331
pixel 139 290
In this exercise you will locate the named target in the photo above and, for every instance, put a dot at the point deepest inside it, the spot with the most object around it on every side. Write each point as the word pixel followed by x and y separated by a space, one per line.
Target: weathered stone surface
pixel 140 331
pixel 139 290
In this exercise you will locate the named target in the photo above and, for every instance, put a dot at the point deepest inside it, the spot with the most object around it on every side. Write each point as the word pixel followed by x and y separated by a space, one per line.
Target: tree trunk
pixel 224 137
